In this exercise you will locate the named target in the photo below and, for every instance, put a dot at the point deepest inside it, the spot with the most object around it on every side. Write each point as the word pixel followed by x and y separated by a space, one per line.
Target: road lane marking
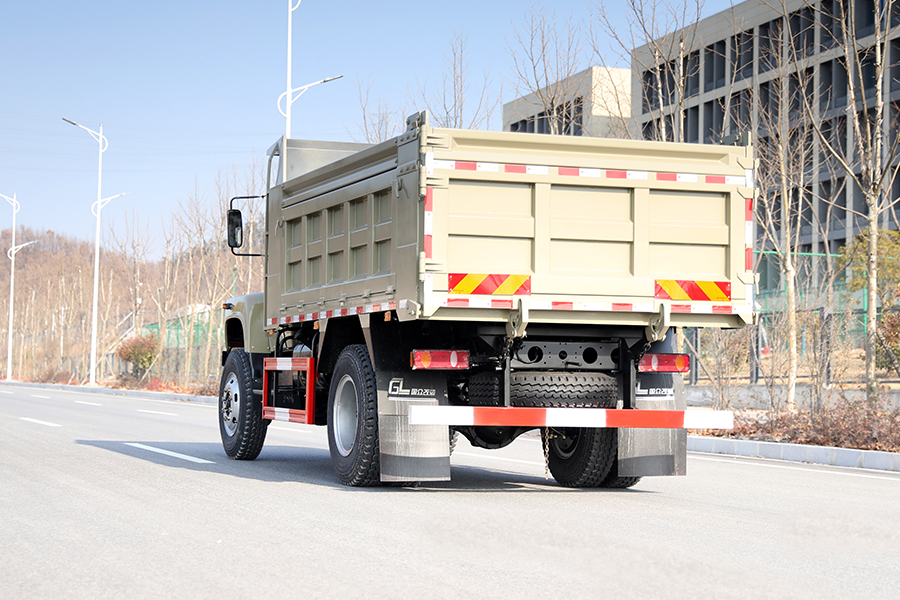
pixel 501 458
pixel 752 461
pixel 297 430
pixel 39 396
pixel 87 403
pixel 5 392
pixel 40 422
pixel 156 412
pixel 170 453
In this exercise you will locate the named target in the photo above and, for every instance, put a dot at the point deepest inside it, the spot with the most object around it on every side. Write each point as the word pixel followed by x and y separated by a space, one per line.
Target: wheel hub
pixel 345 415
pixel 231 404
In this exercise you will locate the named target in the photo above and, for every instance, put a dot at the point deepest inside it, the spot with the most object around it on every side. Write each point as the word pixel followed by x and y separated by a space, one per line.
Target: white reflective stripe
pixel 429 163
pixel 403 303
pixel 590 172
pixel 541 305
pixel 441 415
pixel 748 233
pixel 596 306
pixel 283 364
pixel 642 308
pixel 749 178
pixel 309 317
pixel 708 419
pixel 480 302
pixel 444 164
pixel 487 167
pixel 750 289
pixel 704 309
pixel 686 177
pixel 537 170
pixel 732 180
pixel 282 414
pixel 576 417
pixel 429 222
pixel 636 174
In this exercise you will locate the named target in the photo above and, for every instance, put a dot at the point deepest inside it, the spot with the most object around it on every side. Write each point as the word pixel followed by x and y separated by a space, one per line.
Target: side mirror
pixel 235 229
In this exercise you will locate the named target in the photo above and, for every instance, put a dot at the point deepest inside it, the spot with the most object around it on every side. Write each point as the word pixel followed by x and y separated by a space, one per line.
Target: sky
pixel 187 90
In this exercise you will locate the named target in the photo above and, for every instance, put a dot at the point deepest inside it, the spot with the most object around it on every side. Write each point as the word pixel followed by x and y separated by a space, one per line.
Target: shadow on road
pixel 312 466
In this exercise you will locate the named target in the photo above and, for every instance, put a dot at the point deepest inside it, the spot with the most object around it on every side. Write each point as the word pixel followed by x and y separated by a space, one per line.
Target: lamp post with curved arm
pixel 96 207
pixel 11 253
pixel 288 95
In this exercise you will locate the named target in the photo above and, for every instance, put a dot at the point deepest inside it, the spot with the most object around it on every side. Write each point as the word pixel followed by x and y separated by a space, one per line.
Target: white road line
pixel 156 412
pixel 5 392
pixel 40 422
pixel 291 429
pixel 170 453
pixel 87 403
pixel 752 462
pixel 501 458
pixel 39 396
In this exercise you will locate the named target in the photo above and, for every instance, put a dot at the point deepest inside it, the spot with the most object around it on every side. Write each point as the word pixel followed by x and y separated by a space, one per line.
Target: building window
pixel 801 31
pixel 769 45
pixel 692 125
pixel 742 55
pixel 692 74
pixel 713 120
pixel 567 119
pixel 714 58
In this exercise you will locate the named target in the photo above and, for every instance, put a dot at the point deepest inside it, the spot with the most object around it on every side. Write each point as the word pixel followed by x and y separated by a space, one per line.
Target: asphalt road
pixel 92 507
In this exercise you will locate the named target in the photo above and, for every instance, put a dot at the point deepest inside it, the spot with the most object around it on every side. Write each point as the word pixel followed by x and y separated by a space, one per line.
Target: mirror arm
pixel 231 207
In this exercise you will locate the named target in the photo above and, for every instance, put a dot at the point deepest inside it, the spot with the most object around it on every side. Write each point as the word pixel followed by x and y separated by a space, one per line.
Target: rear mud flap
pixel 648 452
pixel 411 452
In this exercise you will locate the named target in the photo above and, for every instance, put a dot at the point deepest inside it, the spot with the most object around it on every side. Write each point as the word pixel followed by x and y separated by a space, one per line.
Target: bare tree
pixel 455 102
pixel 548 59
pixel 380 120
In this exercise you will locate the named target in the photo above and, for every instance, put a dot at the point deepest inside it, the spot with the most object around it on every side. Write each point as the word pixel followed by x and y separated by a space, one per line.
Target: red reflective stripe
pixel 563 305
pixel 721 310
pixel 466 166
pixel 501 303
pixel 428 246
pixel 569 171
pixel 522 417
pixel 665 419
pixel 617 174
pixel 681 308
pixel 749 211
pixel 457 302
pixel 667 176
pixel 429 198
pixel 622 306
pixel 748 259
pixel 710 178
pixel 515 169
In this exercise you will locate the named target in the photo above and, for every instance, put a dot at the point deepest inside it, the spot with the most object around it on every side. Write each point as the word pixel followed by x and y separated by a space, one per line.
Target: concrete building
pixel 595 102
pixel 747 69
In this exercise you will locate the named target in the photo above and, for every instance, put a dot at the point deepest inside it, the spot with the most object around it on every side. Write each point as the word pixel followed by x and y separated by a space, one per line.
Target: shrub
pixel 139 351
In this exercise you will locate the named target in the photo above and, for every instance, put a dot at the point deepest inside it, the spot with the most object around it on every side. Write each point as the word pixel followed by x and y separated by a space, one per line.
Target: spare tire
pixel 549 389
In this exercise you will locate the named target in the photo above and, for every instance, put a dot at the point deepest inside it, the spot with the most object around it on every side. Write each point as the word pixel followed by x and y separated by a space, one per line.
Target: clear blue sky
pixel 187 89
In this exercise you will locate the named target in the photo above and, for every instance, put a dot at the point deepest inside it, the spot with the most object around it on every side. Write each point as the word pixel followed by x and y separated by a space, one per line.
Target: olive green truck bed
pixel 450 281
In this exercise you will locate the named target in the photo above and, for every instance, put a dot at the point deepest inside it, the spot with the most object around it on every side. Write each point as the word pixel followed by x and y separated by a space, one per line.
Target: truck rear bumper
pixel 569 417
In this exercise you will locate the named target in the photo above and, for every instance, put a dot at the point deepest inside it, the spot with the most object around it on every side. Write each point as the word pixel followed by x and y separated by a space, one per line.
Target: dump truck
pixel 449 283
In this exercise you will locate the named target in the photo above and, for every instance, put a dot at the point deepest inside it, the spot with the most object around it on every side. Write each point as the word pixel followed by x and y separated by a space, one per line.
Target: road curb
pixel 117 392
pixel 819 455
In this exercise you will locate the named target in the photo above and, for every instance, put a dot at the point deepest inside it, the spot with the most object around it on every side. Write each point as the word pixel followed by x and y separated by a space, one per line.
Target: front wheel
pixel 353 419
pixel 241 425
pixel 580 456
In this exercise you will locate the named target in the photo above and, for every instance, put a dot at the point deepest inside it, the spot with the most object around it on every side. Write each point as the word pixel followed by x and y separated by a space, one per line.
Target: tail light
pixel 439 359
pixel 664 363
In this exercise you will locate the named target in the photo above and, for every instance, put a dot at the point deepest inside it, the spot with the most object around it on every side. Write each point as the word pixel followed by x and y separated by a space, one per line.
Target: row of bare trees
pixel 174 294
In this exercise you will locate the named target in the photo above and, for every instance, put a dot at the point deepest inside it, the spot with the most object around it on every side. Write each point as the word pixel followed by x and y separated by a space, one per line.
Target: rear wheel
pixel 241 425
pixel 353 419
pixel 580 456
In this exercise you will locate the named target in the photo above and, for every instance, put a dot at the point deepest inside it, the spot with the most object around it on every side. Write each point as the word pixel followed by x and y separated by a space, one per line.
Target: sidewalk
pixel 819 455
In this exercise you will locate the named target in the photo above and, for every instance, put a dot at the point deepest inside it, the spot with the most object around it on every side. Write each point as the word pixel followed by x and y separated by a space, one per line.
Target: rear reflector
pixel 439 359
pixel 664 363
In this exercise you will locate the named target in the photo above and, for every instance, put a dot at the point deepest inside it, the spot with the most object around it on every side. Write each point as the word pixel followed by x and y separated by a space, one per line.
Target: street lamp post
pixel 289 93
pixel 96 207
pixel 11 253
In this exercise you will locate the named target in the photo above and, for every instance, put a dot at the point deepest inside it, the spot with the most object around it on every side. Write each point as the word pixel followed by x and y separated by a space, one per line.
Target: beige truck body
pixel 450 224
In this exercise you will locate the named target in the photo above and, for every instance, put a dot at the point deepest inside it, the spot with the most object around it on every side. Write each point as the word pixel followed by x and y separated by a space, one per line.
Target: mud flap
pixel 647 452
pixel 411 452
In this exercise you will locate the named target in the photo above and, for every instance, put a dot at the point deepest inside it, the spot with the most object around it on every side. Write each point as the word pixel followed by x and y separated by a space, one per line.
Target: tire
pixel 553 389
pixel 545 389
pixel 581 456
pixel 454 438
pixel 241 425
pixel 613 480
pixel 353 419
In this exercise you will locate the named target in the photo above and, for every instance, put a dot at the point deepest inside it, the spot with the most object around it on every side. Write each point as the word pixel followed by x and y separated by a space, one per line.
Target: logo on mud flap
pixel 395 388
pixel 654 391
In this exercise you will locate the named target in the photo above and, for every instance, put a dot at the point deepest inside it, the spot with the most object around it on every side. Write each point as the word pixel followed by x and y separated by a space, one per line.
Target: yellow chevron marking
pixel 512 283
pixel 673 289
pixel 468 283
pixel 712 290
